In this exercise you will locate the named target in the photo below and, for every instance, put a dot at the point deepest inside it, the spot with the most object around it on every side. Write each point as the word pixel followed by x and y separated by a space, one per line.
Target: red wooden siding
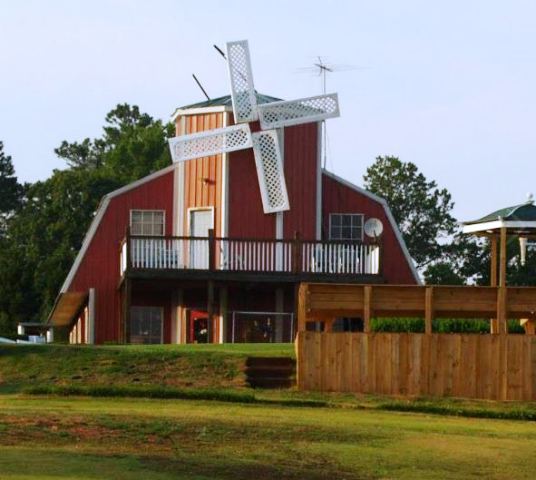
pixel 339 198
pixel 246 216
pixel 300 173
pixel 100 266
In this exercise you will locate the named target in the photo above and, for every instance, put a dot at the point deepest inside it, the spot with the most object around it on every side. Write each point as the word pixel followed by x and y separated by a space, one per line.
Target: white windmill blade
pixel 242 90
pixel 295 112
pixel 270 171
pixel 211 142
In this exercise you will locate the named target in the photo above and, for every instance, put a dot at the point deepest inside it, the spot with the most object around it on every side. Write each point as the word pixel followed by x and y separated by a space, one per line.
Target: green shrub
pixel 439 325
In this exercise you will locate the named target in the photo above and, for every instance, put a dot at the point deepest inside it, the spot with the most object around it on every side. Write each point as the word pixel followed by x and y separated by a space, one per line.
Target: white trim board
pixel 497 224
pixel 388 213
pixel 101 210
pixel 318 223
pixel 200 111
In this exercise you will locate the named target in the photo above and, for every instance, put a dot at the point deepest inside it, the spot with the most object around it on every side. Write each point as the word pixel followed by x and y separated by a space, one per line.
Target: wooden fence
pixel 491 366
pixel 498 367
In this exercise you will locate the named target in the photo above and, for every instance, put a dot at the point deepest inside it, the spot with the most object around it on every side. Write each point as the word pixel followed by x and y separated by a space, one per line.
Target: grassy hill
pixel 170 366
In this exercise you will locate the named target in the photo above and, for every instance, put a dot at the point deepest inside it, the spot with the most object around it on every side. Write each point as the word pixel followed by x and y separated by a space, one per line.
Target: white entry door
pixel 201 221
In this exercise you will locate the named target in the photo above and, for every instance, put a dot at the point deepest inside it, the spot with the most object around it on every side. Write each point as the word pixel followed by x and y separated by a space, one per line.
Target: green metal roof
pixel 526 212
pixel 226 102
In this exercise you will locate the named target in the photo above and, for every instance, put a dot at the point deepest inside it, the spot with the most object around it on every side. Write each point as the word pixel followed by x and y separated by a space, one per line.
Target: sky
pixel 448 85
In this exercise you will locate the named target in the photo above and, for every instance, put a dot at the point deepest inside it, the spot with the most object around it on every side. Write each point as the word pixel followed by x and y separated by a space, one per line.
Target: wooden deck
pixel 490 366
pixel 292 260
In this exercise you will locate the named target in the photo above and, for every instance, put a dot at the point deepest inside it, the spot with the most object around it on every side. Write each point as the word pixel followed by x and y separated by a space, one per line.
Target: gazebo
pixel 517 221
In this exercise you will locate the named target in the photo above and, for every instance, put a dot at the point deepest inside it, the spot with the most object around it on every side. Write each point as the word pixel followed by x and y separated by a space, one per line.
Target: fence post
pixel 211 250
pixel 502 309
pixel 302 307
pixel 367 307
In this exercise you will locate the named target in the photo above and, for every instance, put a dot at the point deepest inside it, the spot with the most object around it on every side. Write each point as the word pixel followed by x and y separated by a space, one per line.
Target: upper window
pixel 147 222
pixel 346 226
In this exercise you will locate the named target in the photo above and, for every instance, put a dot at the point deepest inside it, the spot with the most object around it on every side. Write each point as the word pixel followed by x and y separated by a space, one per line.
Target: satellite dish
pixel 373 227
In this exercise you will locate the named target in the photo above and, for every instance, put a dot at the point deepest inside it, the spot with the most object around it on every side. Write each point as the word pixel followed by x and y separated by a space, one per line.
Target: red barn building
pixel 186 254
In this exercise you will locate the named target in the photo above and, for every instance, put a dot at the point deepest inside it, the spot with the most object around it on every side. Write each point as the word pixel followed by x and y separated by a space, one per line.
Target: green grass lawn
pixel 84 438
pixel 218 428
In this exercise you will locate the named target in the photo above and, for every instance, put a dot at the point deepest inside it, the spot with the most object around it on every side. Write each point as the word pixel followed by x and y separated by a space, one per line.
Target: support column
pixel 494 325
pixel 210 312
pixel 91 305
pixel 279 308
pixel 223 315
pixel 176 316
pixel 501 303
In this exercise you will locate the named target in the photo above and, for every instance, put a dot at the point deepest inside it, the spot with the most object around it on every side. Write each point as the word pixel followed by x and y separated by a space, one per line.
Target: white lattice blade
pixel 295 112
pixel 242 89
pixel 211 142
pixel 270 171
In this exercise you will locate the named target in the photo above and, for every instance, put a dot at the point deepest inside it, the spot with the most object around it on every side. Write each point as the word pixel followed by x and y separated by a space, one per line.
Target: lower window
pixel 146 325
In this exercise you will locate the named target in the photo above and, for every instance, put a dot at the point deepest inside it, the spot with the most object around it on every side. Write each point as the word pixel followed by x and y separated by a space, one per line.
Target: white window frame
pixel 162 319
pixel 349 239
pixel 145 210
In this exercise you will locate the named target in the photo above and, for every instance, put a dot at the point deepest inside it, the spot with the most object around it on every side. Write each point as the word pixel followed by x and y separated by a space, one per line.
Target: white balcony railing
pixel 238 255
pixel 340 258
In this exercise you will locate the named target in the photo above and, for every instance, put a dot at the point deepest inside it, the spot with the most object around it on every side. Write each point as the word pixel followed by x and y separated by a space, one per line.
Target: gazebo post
pixel 494 327
pixel 518 221
pixel 501 311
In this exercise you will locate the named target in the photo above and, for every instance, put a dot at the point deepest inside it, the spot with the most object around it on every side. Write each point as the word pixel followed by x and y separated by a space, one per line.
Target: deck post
pixel 367 307
pixel 428 309
pixel 296 253
pixel 211 250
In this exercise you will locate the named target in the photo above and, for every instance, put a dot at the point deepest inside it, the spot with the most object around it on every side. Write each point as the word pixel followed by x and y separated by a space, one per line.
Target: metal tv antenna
pixel 321 69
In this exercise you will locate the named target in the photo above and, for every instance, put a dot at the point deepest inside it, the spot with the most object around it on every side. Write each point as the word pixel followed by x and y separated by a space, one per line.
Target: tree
pixel 10 189
pixel 133 145
pixel 44 238
pixel 51 217
pixel 421 209
pixel 442 273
